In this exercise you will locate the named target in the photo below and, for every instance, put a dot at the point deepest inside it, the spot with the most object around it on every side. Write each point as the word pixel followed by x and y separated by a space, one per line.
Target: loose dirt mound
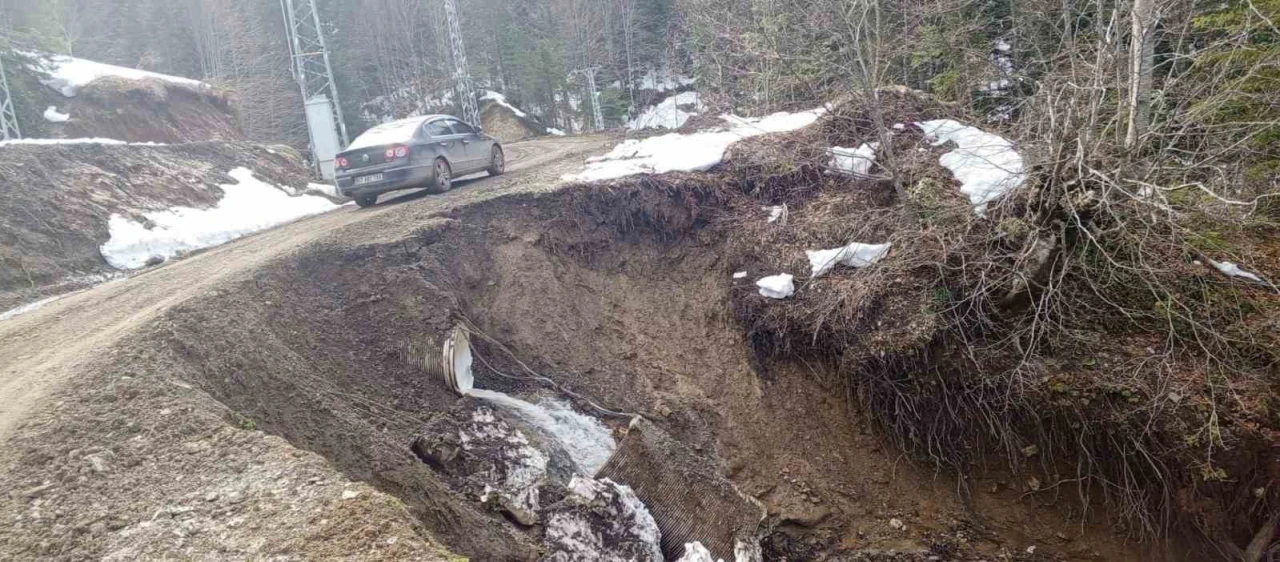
pixel 505 125
pixel 58 199
pixel 148 111
pixel 113 107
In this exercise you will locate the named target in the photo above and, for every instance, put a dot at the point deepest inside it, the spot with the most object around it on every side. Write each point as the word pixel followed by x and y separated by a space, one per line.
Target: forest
pixel 1205 73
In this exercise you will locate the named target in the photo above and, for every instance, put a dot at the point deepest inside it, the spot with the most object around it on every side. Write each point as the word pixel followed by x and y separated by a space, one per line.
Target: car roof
pixel 416 120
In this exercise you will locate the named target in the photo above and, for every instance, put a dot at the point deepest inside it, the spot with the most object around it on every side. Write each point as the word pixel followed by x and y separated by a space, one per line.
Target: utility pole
pixel 314 73
pixel 461 72
pixel 8 118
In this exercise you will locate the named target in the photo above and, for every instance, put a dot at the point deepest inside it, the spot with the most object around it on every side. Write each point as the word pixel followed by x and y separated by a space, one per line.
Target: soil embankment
pixel 59 200
pixel 857 411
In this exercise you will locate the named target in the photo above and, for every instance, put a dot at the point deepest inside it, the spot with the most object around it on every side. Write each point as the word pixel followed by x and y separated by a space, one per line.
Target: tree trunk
pixel 1141 58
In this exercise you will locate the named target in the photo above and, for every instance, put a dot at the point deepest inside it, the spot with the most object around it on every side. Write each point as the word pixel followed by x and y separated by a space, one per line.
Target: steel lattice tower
pixel 8 118
pixel 311 66
pixel 462 73
pixel 596 112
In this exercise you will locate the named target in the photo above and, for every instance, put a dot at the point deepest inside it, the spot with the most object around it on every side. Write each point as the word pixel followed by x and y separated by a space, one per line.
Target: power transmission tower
pixel 314 73
pixel 597 114
pixel 461 72
pixel 8 118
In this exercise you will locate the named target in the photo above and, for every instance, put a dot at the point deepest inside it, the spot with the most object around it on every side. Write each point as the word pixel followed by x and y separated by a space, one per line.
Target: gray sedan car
pixel 417 152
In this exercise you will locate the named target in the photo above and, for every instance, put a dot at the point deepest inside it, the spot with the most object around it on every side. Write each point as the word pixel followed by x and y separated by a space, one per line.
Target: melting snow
pixel 77 141
pixel 502 100
pixel 24 309
pixel 777 286
pixel 855 162
pixel 52 115
pixel 740 275
pixel 247 206
pixel 606 511
pixel 776 212
pixel 856 255
pixel 695 152
pixel 555 132
pixel 69 74
pixel 671 113
pixel 325 188
pixel 662 81
pixel 695 552
pixel 1232 270
pixel 987 165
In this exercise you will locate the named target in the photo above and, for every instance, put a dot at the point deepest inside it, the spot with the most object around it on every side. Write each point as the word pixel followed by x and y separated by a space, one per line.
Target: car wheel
pixel 443 180
pixel 497 162
pixel 367 200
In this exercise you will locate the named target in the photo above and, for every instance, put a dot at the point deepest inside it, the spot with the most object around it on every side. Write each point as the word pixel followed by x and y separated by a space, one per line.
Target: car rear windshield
pixel 390 133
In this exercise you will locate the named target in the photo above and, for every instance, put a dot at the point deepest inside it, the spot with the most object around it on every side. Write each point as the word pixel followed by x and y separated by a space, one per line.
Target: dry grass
pixel 1070 335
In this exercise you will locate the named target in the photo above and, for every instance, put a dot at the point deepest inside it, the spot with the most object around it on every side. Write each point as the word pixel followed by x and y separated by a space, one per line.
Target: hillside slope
pixel 60 200
pixel 66 97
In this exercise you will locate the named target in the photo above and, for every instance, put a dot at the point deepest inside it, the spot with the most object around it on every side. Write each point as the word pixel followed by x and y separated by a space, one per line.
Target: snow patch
pixel 602 521
pixel 52 115
pixel 27 308
pixel 522 468
pixel 555 132
pixel 670 113
pixel 854 161
pixel 247 206
pixel 663 81
pixel 777 286
pixel 740 275
pixel 1232 270
pixel 987 165
pixel 776 213
pixel 695 552
pixel 68 74
pixel 77 141
pixel 855 255
pixel 502 100
pixel 326 188
pixel 697 152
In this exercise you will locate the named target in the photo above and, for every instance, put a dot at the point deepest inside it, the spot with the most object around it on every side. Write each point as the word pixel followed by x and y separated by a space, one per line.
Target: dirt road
pixel 41 349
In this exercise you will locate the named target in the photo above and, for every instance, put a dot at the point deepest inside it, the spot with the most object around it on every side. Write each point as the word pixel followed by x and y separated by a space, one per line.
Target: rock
pixel 38 490
pixel 98 463
pixel 486 458
pixel 897 524
pixel 350 494
pixel 600 520
pixel 211 496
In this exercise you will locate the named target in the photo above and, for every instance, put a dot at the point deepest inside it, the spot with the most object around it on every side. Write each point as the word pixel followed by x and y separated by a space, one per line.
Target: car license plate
pixel 368 179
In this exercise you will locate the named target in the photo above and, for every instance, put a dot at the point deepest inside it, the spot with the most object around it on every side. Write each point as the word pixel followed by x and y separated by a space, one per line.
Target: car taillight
pixel 391 153
pixel 342 162
pixel 402 151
